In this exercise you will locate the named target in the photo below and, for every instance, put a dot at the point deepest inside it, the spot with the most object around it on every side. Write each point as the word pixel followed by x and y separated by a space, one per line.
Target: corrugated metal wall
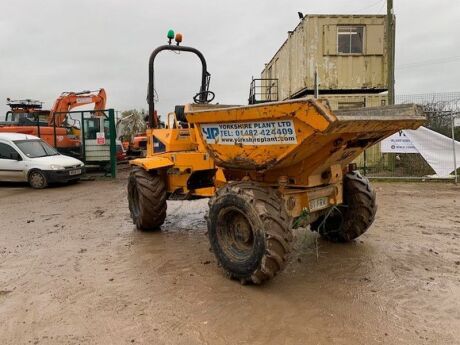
pixel 313 44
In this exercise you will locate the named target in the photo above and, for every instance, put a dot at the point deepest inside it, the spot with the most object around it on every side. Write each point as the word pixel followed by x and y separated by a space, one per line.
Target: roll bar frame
pixel 205 77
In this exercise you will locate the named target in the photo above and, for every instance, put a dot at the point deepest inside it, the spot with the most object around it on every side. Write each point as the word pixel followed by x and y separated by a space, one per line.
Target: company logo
pixel 211 133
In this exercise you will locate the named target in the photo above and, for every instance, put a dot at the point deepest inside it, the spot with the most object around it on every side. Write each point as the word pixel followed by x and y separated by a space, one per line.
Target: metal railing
pixel 263 90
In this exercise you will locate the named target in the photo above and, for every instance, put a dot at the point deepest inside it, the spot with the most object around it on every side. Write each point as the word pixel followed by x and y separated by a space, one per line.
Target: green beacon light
pixel 170 35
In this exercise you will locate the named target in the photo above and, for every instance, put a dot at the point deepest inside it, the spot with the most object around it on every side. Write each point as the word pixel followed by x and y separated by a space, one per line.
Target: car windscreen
pixel 35 148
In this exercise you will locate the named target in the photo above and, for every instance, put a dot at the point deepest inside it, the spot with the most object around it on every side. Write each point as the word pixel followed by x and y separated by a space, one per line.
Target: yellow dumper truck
pixel 266 168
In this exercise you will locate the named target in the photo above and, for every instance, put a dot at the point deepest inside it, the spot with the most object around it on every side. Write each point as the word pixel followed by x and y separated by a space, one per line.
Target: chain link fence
pixel 443 117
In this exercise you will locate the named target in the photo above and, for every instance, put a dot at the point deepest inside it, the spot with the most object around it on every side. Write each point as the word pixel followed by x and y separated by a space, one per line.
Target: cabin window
pixel 350 39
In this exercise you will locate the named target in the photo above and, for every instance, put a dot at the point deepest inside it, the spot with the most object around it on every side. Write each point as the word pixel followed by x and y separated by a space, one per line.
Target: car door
pixel 11 164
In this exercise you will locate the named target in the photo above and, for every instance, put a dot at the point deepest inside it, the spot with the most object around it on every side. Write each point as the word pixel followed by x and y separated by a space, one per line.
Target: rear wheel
pixel 147 199
pixel 37 179
pixel 354 217
pixel 249 231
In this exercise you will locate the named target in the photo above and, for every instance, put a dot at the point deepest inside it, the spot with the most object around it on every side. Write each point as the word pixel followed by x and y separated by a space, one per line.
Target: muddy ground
pixel 73 270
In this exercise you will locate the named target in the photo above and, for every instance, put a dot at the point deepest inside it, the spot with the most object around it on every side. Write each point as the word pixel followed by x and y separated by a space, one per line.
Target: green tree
pixel 131 124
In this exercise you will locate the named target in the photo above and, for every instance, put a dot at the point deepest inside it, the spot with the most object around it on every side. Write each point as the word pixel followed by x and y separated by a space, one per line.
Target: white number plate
pixel 318 204
pixel 75 172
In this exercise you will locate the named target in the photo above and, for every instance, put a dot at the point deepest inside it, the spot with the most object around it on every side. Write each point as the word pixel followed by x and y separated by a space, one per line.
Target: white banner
pixel 398 143
pixel 250 133
pixel 435 148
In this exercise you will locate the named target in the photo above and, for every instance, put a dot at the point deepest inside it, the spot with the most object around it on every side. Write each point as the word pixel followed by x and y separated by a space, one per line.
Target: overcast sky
pixel 50 46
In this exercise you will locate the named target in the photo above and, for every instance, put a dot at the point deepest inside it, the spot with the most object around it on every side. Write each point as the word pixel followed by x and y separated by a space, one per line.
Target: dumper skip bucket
pixel 281 134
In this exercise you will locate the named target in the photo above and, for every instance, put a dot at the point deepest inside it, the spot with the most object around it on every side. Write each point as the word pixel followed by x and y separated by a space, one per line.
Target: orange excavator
pixel 28 117
pixel 69 100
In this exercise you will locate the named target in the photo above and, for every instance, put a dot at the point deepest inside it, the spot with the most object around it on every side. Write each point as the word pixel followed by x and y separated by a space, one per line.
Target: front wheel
pixel 249 231
pixel 37 179
pixel 146 199
pixel 352 219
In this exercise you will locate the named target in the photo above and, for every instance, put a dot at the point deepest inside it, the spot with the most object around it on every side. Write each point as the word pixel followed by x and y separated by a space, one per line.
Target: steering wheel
pixel 197 97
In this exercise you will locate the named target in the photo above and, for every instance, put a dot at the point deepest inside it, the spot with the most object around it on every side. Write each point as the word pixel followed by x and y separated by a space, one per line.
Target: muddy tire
pixel 147 199
pixel 351 220
pixel 249 231
pixel 37 179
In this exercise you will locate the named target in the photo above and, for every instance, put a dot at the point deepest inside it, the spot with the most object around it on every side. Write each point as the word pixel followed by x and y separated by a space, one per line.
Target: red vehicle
pixel 121 152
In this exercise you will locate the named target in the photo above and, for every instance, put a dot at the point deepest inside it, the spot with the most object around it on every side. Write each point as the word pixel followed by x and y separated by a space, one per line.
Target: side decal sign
pixel 250 133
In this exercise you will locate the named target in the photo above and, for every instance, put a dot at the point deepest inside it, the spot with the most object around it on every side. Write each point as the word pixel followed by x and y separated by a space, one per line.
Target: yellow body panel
pixel 205 192
pixel 175 139
pixel 178 167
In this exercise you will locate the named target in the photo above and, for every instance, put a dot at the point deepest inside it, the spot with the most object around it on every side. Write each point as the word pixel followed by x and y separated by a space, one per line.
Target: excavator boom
pixel 69 100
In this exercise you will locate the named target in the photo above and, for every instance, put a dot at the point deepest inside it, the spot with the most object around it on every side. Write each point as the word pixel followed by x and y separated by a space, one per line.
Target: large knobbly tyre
pixel 249 231
pixel 352 219
pixel 147 199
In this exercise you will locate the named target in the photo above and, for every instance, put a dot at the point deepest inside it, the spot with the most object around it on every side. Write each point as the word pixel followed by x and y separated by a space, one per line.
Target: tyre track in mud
pixel 73 270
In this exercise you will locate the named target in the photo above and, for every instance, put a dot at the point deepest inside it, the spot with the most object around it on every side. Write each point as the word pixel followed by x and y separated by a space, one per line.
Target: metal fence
pixel 97 134
pixel 443 116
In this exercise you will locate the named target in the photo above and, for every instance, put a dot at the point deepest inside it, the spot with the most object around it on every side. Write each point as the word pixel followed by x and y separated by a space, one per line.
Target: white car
pixel 27 158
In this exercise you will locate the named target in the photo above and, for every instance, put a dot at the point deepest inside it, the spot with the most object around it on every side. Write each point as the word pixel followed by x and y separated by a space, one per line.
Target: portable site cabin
pixel 344 57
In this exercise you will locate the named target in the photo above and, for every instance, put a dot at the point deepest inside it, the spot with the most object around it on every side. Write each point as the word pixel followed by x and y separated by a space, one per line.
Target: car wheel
pixel 37 179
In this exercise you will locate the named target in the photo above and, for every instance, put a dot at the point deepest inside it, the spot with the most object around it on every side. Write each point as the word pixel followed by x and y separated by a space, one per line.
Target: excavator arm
pixel 69 100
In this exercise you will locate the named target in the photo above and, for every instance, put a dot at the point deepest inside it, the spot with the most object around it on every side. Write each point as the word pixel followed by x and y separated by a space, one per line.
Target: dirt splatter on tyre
pixel 352 219
pixel 147 199
pixel 249 231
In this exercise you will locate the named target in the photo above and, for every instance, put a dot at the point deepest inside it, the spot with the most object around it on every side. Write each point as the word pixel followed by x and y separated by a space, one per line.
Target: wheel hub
pixel 242 231
pixel 37 179
pixel 236 235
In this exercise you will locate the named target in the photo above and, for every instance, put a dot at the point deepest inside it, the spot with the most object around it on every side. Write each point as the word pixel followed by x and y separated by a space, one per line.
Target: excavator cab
pixel 94 125
pixel 26 112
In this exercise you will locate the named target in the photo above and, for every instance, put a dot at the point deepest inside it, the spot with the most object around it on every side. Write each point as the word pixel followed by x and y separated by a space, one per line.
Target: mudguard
pixel 151 163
